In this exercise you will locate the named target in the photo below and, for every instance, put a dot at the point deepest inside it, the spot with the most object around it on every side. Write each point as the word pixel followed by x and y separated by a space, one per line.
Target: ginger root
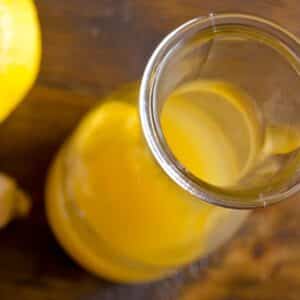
pixel 14 202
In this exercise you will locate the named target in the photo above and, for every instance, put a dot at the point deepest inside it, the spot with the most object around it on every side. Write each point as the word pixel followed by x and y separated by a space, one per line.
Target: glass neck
pixel 169 67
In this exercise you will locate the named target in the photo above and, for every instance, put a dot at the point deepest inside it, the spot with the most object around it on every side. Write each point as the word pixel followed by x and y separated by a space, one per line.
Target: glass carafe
pixel 120 199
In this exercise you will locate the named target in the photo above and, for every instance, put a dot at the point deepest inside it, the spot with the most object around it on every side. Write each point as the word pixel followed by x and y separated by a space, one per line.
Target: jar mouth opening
pixel 149 111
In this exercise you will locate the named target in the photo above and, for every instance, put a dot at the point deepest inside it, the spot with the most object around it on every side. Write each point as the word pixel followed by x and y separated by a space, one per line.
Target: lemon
pixel 20 51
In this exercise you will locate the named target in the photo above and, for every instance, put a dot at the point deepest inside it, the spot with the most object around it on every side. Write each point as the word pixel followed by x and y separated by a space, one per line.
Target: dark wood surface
pixel 91 47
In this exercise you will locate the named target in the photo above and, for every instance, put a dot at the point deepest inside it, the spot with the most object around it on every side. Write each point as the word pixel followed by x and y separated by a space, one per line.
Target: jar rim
pixel 149 112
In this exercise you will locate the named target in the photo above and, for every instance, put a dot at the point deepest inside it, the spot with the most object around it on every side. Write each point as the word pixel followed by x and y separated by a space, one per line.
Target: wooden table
pixel 91 47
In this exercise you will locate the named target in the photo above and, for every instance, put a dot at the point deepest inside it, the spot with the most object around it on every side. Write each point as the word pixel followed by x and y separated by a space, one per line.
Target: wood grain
pixel 91 47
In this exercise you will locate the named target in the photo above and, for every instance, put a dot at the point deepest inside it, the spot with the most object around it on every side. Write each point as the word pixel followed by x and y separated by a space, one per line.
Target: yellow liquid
pixel 116 212
pixel 213 129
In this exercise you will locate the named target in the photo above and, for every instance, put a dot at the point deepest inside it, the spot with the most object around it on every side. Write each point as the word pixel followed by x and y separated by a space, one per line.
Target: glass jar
pixel 120 200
